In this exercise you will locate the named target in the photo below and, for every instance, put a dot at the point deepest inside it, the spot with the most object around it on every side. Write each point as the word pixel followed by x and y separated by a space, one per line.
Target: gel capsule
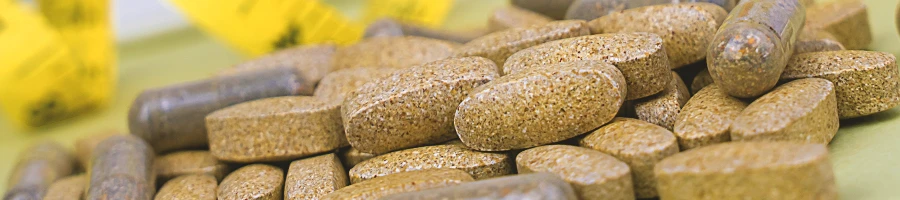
pixel 121 169
pixel 750 50
pixel 37 167
pixel 172 117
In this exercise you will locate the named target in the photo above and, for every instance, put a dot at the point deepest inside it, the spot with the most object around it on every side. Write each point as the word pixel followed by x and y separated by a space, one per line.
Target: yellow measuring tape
pixel 52 72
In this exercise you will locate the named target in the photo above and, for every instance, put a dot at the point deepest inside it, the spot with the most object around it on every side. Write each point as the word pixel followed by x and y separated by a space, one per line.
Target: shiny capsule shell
pixel 847 20
pixel 540 105
pixel 593 9
pixel 172 117
pixel 514 17
pixel 412 107
pixel 748 170
pixel 190 162
pixel 686 29
pixel 392 52
pixel 499 45
pixel 480 165
pixel 639 56
pixel 400 183
pixel 122 168
pixel 521 186
pixel 314 177
pixel 313 62
pixel 803 110
pixel 252 182
pixel 194 186
pixel 593 175
pixel 706 118
pixel 753 45
pixel 816 40
pixel 36 168
pixel 275 129
pixel 68 188
pixel 865 82
pixel 661 109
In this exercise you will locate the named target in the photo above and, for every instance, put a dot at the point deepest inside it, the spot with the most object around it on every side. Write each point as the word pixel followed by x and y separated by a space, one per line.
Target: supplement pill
pixel 522 186
pixel 252 182
pixel 706 118
pixel 68 188
pixel 803 110
pixel 314 177
pixel 499 45
pixel 480 165
pixel 392 52
pixel 593 175
pixel 188 162
pixel 36 168
pixel 122 168
pixel 514 17
pixel 400 183
pixel 194 186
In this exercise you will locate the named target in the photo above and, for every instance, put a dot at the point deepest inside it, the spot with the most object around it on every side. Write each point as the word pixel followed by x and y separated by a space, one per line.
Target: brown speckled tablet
pixel 555 9
pixel 639 144
pixel 275 129
pixel 700 81
pixel 68 188
pixel 480 165
pixel 84 147
pixel 400 183
pixel 314 177
pixel 803 110
pixel 313 62
pixel 412 107
pixel 593 9
pixel 748 170
pixel 865 82
pixel 593 175
pixel 122 168
pixel 188 162
pixel 392 52
pixel 351 157
pixel 339 84
pixel 195 186
pixel 639 56
pixel 36 167
pixel 499 45
pixel 514 17
pixel 662 108
pixel 522 186
pixel 256 181
pixel 686 29
pixel 811 40
pixel 706 118
pixel 540 105
pixel 847 20
pixel 390 27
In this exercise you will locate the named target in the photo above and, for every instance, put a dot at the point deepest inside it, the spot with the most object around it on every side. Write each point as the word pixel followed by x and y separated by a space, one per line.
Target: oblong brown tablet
pixel 400 183
pixel 68 188
pixel 412 107
pixel 865 82
pixel 540 105
pixel 593 175
pixel 122 168
pixel 847 20
pixel 188 162
pixel 194 186
pixel 593 9
pixel 701 80
pixel 480 165
pixel 314 177
pixel 706 118
pixel 312 61
pixel 811 40
pixel 514 17
pixel 661 109
pixel 555 9
pixel 351 157
pixel 499 45
pixel 392 52
pixel 256 181
pixel 36 168
pixel 639 144
pixel 640 57
pixel 522 186
pixel 275 129
pixel 748 170
pixel 686 29
pixel 804 110
pixel 84 147
pixel 337 85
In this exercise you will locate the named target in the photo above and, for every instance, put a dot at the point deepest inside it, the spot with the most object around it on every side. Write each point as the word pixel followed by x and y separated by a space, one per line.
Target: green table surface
pixel 865 153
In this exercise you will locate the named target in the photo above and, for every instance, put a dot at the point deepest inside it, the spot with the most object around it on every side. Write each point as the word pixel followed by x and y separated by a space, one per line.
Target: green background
pixel 865 153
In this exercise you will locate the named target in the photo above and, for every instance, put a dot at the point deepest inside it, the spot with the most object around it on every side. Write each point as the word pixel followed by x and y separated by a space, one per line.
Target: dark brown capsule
pixel 172 117
pixel 122 169
pixel 37 167
pixel 387 27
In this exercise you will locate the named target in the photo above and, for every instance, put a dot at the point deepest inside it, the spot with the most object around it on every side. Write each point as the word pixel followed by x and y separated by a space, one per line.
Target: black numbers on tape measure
pixel 46 110
pixel 291 37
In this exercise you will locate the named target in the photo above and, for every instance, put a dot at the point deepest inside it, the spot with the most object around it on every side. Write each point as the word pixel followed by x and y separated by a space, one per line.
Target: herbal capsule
pixel 387 27
pixel 314 177
pixel 122 169
pixel 479 164
pixel 392 52
pixel 172 117
pixel 662 108
pixel 499 45
pixel 36 168
pixel 188 162
pixel 194 186
pixel 706 118
pixel 522 186
pixel 514 17
pixel 847 20
pixel 400 183
pixel 593 9
pixel 312 62
pixel 752 47
pixel 555 9
pixel 84 147
pixel 593 175
pixel 803 110
pixel 748 170
pixel 68 188
pixel 252 182
pixel 816 40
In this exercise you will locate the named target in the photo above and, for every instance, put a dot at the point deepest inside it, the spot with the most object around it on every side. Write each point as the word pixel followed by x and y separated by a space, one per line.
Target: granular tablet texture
pixel 36 168
pixel 195 186
pixel 337 85
pixel 351 157
pixel 400 183
pixel 275 129
pixel 412 107
pixel 748 170
pixel 639 144
pixel 522 186
pixel 540 105
pixel 312 62
pixel 188 162
pixel 701 80
pixel 706 118
pixel 84 147
pixel 68 188
pixel 392 52
pixel 251 182
pixel 480 165
pixel 514 17
pixel 847 20
pixel 593 9
pixel 389 27
pixel 499 45
pixel 661 109
pixel 811 40
pixel 803 110
pixel 593 175
pixel 122 168
pixel 639 56
pixel 865 82
pixel 314 177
